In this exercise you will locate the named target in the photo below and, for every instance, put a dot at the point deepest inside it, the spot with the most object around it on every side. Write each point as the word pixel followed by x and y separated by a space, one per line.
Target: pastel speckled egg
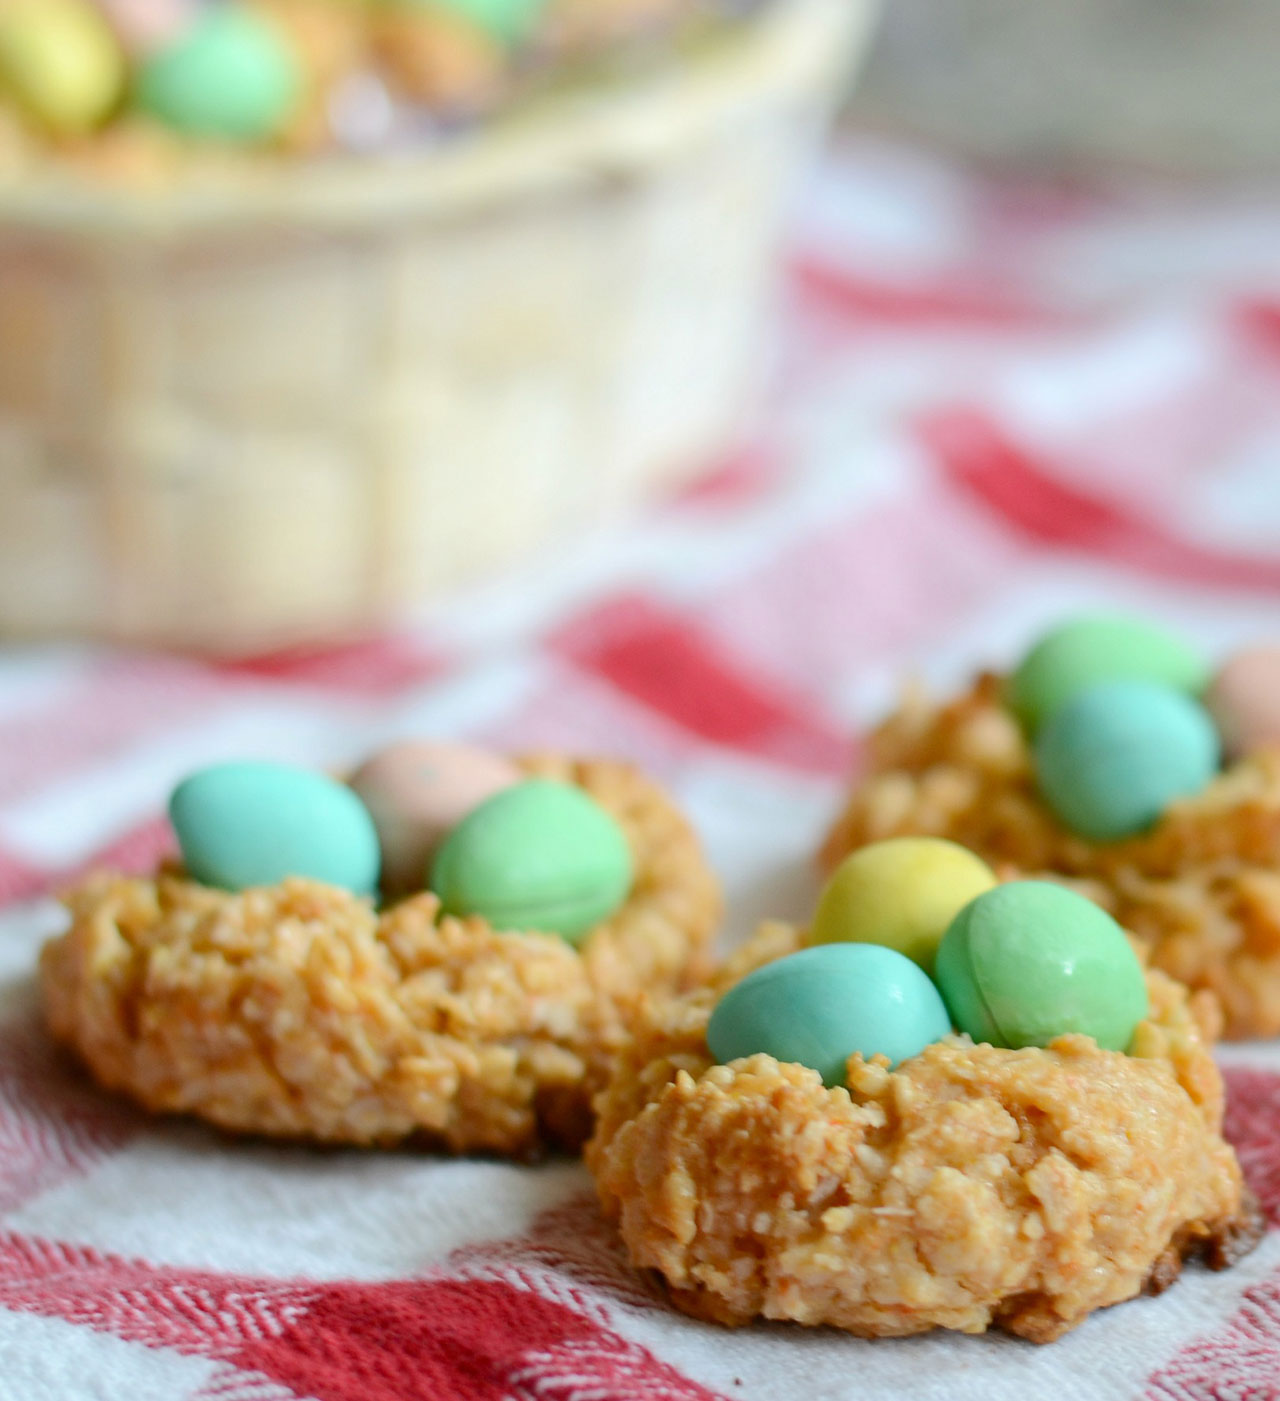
pixel 540 856
pixel 252 824
pixel 1030 961
pixel 1092 649
pixel 1244 700
pixel 1111 760
pixel 61 62
pixel 821 1005
pixel 232 76
pixel 901 893
pixel 417 792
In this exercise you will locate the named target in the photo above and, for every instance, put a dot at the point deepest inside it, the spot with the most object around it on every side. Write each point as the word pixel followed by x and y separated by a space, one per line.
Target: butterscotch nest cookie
pixel 299 1011
pixel 1201 890
pixel 973 1187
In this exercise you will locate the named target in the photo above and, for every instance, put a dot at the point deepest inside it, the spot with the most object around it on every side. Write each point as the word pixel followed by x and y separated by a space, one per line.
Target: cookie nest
pixel 1201 890
pixel 299 1011
pixel 972 1187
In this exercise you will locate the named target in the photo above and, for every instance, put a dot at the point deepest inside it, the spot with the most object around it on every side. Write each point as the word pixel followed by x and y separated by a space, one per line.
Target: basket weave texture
pixel 237 416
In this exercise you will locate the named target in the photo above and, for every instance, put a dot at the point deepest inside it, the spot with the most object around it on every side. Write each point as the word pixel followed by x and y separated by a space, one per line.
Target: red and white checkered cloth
pixel 997 401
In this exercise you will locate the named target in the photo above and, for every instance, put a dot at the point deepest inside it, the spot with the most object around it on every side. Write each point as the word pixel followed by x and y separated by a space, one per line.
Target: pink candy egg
pixel 145 25
pixel 417 792
pixel 1244 700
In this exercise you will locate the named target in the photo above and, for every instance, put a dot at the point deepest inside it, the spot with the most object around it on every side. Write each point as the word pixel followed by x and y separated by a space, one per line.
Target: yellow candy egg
pixel 61 62
pixel 902 893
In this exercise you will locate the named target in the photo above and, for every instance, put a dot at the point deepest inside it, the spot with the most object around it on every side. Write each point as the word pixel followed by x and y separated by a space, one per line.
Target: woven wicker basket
pixel 242 416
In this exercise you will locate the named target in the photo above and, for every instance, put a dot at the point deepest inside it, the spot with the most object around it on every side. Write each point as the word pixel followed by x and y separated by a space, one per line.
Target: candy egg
pixel 253 824
pixel 231 76
pixel 1111 760
pixel 61 62
pixel 819 1006
pixel 144 25
pixel 506 20
pixel 1244 700
pixel 901 893
pixel 540 856
pixel 1092 649
pixel 416 793
pixel 1030 961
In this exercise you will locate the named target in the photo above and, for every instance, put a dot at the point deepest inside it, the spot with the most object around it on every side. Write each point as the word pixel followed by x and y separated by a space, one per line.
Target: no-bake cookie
pixel 298 1007
pixel 974 1186
pixel 1096 764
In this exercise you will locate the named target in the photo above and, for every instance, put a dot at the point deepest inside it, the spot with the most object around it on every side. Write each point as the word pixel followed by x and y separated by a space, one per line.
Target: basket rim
pixel 792 50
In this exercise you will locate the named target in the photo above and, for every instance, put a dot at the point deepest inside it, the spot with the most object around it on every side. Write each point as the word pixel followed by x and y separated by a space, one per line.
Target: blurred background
pixel 1169 84
pixel 314 311
pixel 669 379
pixel 663 377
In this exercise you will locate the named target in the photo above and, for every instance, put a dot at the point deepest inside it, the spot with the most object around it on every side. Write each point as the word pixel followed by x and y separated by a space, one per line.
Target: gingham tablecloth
pixel 996 401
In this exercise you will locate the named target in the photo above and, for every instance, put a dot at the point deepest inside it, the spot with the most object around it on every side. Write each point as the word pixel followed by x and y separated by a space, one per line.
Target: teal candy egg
pixel 252 824
pixel 1030 961
pixel 232 76
pixel 1111 760
pixel 539 856
pixel 819 1006
pixel 1096 648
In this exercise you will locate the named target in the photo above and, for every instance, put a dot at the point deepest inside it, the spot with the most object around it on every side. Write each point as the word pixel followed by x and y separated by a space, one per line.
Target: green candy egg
pixel 508 21
pixel 539 856
pixel 232 76
pixel 1030 961
pixel 252 824
pixel 819 1006
pixel 1092 649
pixel 901 893
pixel 61 62
pixel 1111 760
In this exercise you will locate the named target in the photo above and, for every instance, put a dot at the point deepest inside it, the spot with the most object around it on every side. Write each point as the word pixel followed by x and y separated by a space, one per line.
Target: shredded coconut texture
pixel 299 1011
pixel 1201 890
pixel 972 1187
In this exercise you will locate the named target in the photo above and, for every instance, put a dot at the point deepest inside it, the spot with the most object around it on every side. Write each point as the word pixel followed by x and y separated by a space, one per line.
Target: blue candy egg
pixel 252 824
pixel 819 1006
pixel 1113 758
